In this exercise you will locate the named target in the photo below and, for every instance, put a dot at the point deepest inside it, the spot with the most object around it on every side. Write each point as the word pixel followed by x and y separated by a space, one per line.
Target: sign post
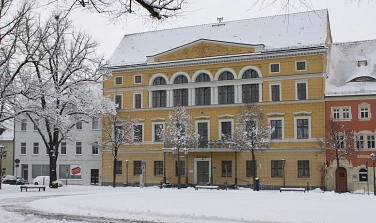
pixel 17 161
pixel 66 175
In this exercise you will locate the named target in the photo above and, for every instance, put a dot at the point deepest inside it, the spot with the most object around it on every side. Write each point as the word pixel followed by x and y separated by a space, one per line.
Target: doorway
pixel 342 179
pixel 202 171
pixel 94 176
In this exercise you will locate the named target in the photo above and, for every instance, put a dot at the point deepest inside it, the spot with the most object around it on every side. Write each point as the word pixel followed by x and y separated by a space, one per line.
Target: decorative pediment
pixel 202 117
pixel 276 114
pixel 302 113
pixel 159 119
pixel 226 116
pixel 205 48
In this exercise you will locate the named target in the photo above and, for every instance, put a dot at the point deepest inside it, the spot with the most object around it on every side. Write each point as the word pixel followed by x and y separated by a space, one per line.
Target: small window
pixel 36 148
pixel 226 129
pixel 23 124
pixel 302 128
pixel 79 125
pixel 119 167
pixel 251 168
pixel 36 125
pixel 346 113
pixel 137 100
pixel 371 142
pixel 336 113
pixel 63 148
pixel 119 101
pixel 363 175
pixel 137 79
pixel 158 168
pixel 303 169
pixel 278 129
pixel 274 68
pixel 95 149
pixel 226 168
pixel 78 148
pixel 301 91
pixel 118 80
pixel 23 148
pixel 364 113
pixel 137 169
pixel 182 168
pixel 157 129
pixel 138 133
pixel 360 142
pixel 275 92
pixel 95 123
pixel 301 65
pixel 277 168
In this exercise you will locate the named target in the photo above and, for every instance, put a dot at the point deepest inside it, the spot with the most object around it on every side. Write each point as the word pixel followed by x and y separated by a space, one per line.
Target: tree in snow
pixel 58 88
pixel 251 134
pixel 179 133
pixel 118 131
pixel 339 141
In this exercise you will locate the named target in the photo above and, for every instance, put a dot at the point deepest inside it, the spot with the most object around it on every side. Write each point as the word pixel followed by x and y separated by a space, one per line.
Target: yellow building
pixel 277 62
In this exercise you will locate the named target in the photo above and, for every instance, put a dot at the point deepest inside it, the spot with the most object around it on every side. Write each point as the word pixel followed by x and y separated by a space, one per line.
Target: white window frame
pixel 153 130
pixel 122 101
pixel 374 140
pixel 363 106
pixel 79 125
pixel 338 111
pixel 61 146
pixel 296 89
pixel 134 78
pixel 92 123
pixel 24 147
pixel 220 127
pixel 296 65
pixel 283 126
pixel 203 121
pixel 143 133
pixel 92 146
pixel 350 114
pixel 37 144
pixel 35 126
pixel 270 90
pixel 341 112
pixel 296 127
pixel 134 99
pixel 116 78
pixel 270 68
pixel 23 122
pixel 75 148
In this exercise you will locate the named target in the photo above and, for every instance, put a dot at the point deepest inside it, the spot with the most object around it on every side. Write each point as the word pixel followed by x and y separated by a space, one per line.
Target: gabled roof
pixel 351 68
pixel 294 30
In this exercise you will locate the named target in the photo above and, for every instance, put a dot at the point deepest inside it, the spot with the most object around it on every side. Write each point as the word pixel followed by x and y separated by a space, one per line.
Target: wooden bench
pixel 207 187
pixel 24 187
pixel 292 189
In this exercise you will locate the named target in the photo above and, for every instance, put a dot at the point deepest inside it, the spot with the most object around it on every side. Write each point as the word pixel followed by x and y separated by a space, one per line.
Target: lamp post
pixel 126 165
pixel 186 165
pixel 283 171
pixel 1 160
pixel 373 157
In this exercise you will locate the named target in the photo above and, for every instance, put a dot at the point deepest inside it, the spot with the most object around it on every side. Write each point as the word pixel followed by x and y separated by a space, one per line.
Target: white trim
pixel 226 116
pixel 296 89
pixel 270 68
pixel 121 77
pixel 220 71
pixel 240 74
pixel 153 129
pixel 309 126
pixel 283 126
pixel 203 121
pixel 134 99
pixel 157 119
pixel 270 90
pixel 199 72
pixel 220 127
pixel 201 117
pixel 158 75
pixel 175 75
pixel 367 106
pixel 195 167
pixel 296 65
pixel 276 114
pixel 134 78
pixel 302 113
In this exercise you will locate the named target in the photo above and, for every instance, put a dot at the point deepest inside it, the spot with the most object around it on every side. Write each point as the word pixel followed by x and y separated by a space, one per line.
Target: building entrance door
pixel 94 176
pixel 202 172
pixel 342 179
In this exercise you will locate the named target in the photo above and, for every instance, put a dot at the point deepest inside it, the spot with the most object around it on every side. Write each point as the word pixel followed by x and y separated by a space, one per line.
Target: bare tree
pixel 118 132
pixel 339 141
pixel 179 133
pixel 251 134
pixel 59 87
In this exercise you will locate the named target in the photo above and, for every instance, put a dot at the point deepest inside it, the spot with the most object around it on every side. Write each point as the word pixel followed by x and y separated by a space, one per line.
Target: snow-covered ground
pixel 151 204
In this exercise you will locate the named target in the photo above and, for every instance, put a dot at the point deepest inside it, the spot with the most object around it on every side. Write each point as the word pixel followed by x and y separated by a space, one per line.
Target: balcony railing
pixel 203 144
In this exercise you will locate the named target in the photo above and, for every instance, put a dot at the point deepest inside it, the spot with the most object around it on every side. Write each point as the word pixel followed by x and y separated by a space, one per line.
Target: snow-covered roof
pixel 8 134
pixel 352 68
pixel 294 30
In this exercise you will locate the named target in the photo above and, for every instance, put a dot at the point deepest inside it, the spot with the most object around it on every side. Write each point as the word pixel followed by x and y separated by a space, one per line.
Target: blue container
pixel 257 184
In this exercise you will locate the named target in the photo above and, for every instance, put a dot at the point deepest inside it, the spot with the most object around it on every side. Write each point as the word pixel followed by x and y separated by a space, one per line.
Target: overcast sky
pixel 349 21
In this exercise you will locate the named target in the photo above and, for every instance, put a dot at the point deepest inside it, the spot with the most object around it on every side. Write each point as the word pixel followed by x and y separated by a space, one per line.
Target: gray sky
pixel 349 21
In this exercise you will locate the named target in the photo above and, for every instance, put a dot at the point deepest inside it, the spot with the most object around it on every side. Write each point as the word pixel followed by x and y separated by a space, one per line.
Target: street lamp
pixel 283 170
pixel 373 157
pixel 1 160
pixel 186 165
pixel 126 165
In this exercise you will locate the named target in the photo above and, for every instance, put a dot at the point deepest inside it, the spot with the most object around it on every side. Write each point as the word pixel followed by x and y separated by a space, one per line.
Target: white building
pixel 79 162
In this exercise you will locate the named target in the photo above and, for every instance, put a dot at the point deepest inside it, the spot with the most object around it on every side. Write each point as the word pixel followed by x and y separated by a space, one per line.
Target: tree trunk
pixel 179 168
pixel 53 154
pixel 338 175
pixel 254 169
pixel 114 169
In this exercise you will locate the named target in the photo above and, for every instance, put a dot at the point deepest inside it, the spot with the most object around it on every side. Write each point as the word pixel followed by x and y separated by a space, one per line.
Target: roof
pixel 280 31
pixel 351 68
pixel 8 134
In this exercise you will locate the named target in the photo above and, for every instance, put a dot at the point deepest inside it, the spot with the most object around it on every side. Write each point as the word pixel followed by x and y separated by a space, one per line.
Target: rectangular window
pixel 158 168
pixel 95 149
pixel 303 169
pixel 138 133
pixel 36 125
pixel 35 148
pixel 336 113
pixel 346 113
pixel 203 96
pixel 275 92
pixel 137 169
pixel 118 80
pixel 340 142
pixel 251 168
pixel 40 170
pixel 23 124
pixel 274 68
pixel 226 129
pixel 226 94
pixel 371 142
pixel 226 168
pixel 119 101
pixel 301 65
pixel 64 174
pixel 159 98
pixel 119 167
pixel 157 129
pixel 137 79
pixel 360 142
pixel 278 129
pixel 277 168
pixel 95 123
pixel 137 100
pixel 78 148
pixel 301 91
pixel 79 125
pixel 181 97
pixel 202 130
pixel 250 93
pixel 23 148
pixel 182 168
pixel 63 148
pixel 119 133
pixel 302 128
pixel 364 113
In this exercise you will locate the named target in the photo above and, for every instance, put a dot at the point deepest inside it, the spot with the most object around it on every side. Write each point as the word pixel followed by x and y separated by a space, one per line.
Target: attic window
pixel 363 79
pixel 362 63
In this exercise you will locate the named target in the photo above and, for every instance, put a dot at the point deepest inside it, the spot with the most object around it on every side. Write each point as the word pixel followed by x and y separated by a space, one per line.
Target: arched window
pixel 181 79
pixel 226 93
pixel 203 93
pixel 250 92
pixel 363 176
pixel 159 96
